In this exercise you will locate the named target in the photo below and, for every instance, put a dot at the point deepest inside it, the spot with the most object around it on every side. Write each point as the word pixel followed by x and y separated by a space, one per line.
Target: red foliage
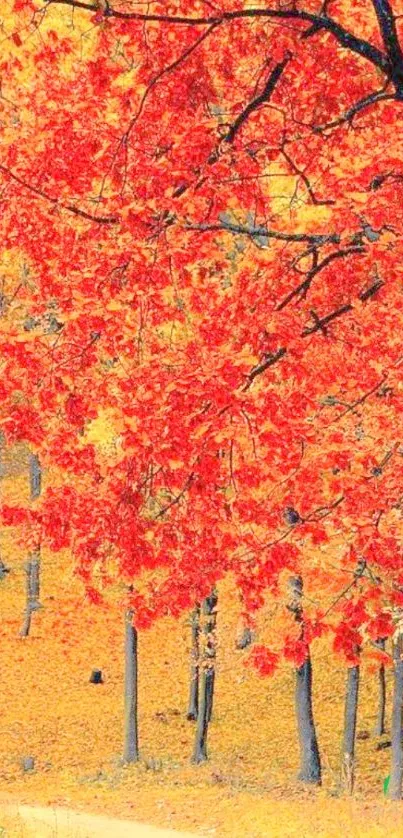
pixel 295 650
pixel 247 345
pixel 263 660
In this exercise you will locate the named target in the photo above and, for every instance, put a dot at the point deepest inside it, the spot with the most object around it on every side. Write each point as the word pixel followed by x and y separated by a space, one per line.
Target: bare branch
pixel 366 102
pixel 264 365
pixel 358 573
pixel 263 232
pixel 99 219
pixel 316 201
pixel 320 323
pixel 177 498
pixel 359 401
pixel 321 22
pixel 387 25
pixel 263 97
pixel 369 292
pixel 304 286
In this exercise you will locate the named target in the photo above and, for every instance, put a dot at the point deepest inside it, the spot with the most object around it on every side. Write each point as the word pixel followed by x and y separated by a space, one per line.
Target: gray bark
pixel 245 639
pixel 210 694
pixel 32 591
pixel 35 477
pixel 310 766
pixel 193 706
pixel 200 748
pixel 310 769
pixel 380 728
pixel 350 725
pixel 396 771
pixel 4 570
pixel 33 565
pixel 131 751
pixel 206 678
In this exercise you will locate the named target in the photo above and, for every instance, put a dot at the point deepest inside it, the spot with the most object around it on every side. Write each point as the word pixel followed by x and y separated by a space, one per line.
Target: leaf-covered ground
pixel 73 729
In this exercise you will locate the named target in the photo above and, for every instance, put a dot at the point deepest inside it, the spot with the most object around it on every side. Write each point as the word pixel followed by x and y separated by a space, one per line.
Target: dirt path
pixel 54 822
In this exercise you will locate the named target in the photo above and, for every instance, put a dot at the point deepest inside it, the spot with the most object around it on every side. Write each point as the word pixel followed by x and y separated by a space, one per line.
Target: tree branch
pixel 301 173
pixel 99 219
pixel 321 22
pixel 177 498
pixel 357 575
pixel 359 401
pixel 369 292
pixel 348 116
pixel 387 26
pixel 264 365
pixel 263 232
pixel 263 97
pixel 321 323
pixel 304 286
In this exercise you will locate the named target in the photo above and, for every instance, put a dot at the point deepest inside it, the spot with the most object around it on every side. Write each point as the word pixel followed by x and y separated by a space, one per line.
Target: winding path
pixel 49 822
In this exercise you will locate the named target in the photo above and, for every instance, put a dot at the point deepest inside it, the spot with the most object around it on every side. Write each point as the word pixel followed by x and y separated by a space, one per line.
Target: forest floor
pixel 73 729
pixel 272 820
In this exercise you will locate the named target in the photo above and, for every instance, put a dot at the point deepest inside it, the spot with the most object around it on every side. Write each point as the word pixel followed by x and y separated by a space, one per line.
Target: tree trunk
pixel 35 477
pixel 194 666
pixel 310 768
pixel 32 596
pixel 210 694
pixel 244 639
pixel 28 612
pixel 4 570
pixel 396 771
pixel 206 678
pixel 131 752
pixel 350 724
pixel 34 562
pixel 379 728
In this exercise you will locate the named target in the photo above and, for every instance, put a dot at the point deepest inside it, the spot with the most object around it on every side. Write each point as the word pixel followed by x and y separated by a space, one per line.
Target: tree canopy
pixel 202 222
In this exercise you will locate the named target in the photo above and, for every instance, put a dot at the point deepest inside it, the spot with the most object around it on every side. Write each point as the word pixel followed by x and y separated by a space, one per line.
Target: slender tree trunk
pixel 33 565
pixel 310 767
pixel 210 694
pixel 28 611
pixel 244 638
pixel 396 771
pixel 379 728
pixel 3 568
pixel 131 751
pixel 32 591
pixel 194 666
pixel 200 748
pixel 310 770
pixel 206 678
pixel 35 477
pixel 350 724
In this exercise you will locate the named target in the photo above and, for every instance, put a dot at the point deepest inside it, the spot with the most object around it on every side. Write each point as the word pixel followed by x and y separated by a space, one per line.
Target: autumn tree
pixel 202 215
